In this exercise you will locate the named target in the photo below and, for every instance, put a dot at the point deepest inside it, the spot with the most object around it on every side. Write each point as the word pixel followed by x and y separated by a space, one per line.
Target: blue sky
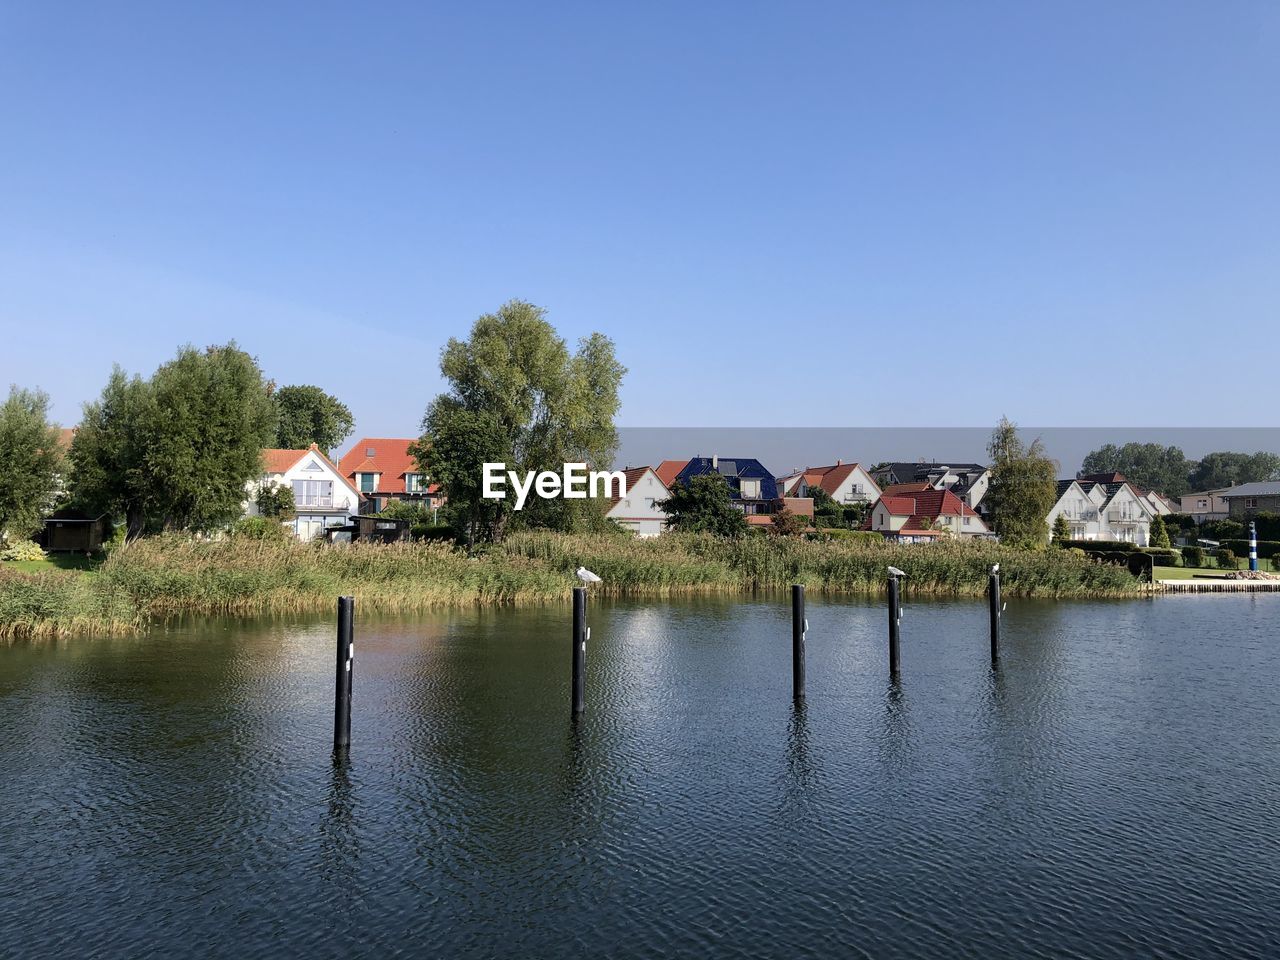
pixel 845 214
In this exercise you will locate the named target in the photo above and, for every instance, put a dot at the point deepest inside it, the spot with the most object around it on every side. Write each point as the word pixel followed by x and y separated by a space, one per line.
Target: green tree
pixel 788 524
pixel 1023 488
pixel 176 451
pixel 275 501
pixel 309 415
pixel 1061 529
pixel 826 512
pixel 703 505
pixel 31 461
pixel 518 396
pixel 1226 469
pixel 1159 535
pixel 1149 465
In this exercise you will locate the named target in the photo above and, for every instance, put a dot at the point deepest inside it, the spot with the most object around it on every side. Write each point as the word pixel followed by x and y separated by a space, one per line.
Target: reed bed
pixel 56 604
pixel 167 576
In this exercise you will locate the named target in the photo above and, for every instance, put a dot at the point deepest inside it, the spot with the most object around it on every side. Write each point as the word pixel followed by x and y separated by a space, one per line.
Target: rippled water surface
pixel 1112 790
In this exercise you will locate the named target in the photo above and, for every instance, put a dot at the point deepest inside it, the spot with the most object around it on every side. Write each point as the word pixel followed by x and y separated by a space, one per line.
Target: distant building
pixel 322 497
pixel 752 488
pixel 1206 506
pixel 845 483
pixel 638 511
pixel 1249 499
pixel 1097 510
pixel 924 516
pixel 384 471
pixel 968 481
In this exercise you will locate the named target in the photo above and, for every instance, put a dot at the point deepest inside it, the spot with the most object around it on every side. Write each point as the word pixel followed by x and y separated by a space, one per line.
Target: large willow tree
pixel 517 395
pixel 174 452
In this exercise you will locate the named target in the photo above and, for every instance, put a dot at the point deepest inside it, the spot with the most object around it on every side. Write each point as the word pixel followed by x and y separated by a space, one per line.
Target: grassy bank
pixel 166 576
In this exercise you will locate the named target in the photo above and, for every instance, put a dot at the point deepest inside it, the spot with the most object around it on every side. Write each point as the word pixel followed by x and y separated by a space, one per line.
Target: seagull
pixel 895 572
pixel 995 568
pixel 586 576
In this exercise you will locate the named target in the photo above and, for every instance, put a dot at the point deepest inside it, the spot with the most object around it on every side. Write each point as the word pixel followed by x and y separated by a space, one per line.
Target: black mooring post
pixel 342 682
pixel 579 649
pixel 895 617
pixel 993 598
pixel 798 628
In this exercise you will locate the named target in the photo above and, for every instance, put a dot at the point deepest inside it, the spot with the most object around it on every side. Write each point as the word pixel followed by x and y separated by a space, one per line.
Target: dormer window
pixel 750 489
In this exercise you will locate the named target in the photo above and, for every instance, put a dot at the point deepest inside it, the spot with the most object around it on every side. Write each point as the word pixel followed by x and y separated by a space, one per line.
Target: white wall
pixel 638 510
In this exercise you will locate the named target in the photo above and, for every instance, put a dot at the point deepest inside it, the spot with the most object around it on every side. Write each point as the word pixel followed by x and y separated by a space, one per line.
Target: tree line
pixel 1169 471
pixel 171 451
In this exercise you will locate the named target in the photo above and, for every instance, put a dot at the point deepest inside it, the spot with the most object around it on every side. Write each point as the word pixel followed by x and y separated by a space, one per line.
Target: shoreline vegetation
pixel 153 579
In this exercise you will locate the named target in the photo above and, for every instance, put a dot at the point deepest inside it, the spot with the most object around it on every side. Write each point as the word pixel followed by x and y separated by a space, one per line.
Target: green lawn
pixel 54 561
pixel 1198 573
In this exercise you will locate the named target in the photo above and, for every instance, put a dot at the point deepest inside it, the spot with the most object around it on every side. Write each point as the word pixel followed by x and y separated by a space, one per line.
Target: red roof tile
pixel 389 457
pixel 668 470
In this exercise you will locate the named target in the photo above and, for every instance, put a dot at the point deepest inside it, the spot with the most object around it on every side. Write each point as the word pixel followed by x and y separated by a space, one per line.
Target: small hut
pixel 70 531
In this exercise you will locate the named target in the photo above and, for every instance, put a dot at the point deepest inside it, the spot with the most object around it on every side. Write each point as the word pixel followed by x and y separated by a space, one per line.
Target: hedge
pixel 1266 548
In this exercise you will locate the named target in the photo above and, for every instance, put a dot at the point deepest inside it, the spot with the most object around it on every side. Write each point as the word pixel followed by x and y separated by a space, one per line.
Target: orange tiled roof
pixel 276 460
pixel 390 459
pixel 632 474
pixel 668 470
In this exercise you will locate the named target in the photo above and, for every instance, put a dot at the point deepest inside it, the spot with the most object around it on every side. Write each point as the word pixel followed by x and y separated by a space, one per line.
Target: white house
pixel 845 483
pixel 1103 511
pixel 322 497
pixel 638 511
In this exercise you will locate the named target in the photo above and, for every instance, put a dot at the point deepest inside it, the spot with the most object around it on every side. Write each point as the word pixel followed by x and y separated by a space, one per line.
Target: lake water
pixel 1110 791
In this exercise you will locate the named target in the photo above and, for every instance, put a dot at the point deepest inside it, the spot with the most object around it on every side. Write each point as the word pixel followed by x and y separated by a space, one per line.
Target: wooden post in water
pixel 342 680
pixel 895 620
pixel 993 598
pixel 579 649
pixel 798 628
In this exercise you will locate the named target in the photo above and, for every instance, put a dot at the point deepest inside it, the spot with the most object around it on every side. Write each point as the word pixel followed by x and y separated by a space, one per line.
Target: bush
pixel 1227 559
pixel 1093 546
pixel 258 528
pixel 21 550
pixel 1164 558
pixel 1193 556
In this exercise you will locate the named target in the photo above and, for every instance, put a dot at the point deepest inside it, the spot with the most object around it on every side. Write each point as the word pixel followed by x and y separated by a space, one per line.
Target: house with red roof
pixel 845 483
pixel 923 516
pixel 322 497
pixel 384 471
pixel 637 510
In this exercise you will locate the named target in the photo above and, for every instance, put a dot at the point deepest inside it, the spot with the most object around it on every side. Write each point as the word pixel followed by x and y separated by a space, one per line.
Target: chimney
pixel 839 463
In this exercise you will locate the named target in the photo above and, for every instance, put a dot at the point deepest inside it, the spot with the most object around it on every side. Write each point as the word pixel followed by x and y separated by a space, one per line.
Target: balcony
pixel 1122 519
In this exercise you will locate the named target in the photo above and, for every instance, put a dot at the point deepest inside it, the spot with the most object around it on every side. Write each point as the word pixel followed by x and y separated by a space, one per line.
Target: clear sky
pixel 844 214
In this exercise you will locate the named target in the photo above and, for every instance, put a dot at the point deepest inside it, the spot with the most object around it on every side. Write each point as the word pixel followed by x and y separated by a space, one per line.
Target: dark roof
pixel 734 470
pixel 910 472
pixel 1265 488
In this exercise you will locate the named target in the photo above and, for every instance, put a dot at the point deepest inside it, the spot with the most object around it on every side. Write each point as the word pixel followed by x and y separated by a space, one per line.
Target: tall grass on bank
pixel 54 604
pixel 679 563
pixel 166 576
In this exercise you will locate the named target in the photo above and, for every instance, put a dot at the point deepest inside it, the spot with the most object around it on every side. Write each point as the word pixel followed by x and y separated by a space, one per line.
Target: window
pixel 313 493
pixel 750 489
pixel 413 482
pixel 966 520
pixel 1250 502
pixel 368 482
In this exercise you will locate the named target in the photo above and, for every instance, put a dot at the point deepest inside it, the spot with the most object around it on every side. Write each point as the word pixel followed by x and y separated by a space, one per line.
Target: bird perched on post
pixel 995 568
pixel 586 576
pixel 895 572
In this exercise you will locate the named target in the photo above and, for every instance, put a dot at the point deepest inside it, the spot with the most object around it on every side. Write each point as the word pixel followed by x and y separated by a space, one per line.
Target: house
pixel 668 470
pixel 384 471
pixel 752 488
pixel 925 516
pixel 968 481
pixel 322 497
pixel 1158 503
pixel 1097 510
pixel 845 483
pixel 1206 506
pixel 1249 499
pixel 638 511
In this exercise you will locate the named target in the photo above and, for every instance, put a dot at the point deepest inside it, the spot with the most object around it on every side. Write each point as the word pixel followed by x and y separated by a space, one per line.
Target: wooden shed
pixel 73 532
